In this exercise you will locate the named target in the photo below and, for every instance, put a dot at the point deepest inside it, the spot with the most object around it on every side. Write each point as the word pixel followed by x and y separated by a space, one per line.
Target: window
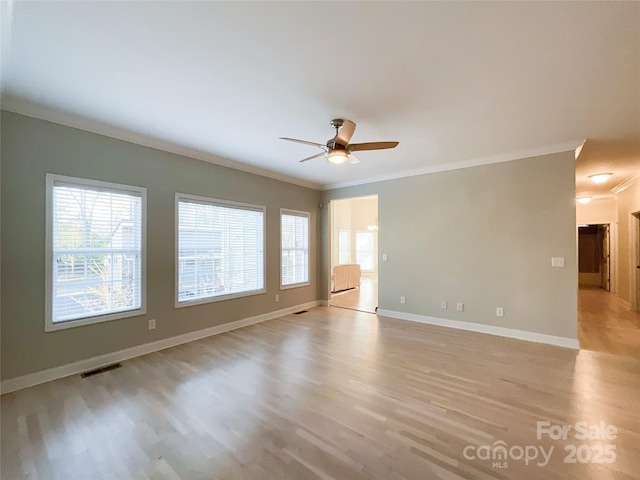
pixel 294 265
pixel 344 247
pixel 219 250
pixel 95 253
pixel 364 250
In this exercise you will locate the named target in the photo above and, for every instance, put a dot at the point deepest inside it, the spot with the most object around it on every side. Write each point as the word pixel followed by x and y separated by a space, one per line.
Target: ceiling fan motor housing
pixel 333 145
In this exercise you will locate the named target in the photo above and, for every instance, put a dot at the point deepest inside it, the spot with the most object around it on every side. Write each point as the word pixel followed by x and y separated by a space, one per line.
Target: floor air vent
pixel 301 311
pixel 91 373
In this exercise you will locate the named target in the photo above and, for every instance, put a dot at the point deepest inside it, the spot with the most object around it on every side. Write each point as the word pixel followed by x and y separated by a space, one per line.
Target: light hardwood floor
pixel 330 394
pixel 364 299
pixel 605 324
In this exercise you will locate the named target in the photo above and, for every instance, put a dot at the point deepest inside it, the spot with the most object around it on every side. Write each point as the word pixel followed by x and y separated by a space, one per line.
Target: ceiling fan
pixel 338 149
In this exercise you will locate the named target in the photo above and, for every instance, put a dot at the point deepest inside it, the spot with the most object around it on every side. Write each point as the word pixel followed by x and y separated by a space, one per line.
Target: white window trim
pixel 51 179
pixel 298 213
pixel 223 203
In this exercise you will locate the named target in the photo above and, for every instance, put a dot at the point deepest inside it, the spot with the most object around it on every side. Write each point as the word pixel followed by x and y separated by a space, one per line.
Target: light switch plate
pixel 384 257
pixel 557 261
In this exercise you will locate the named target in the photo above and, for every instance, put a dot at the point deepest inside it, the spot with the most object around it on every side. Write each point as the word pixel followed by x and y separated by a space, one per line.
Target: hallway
pixel 606 325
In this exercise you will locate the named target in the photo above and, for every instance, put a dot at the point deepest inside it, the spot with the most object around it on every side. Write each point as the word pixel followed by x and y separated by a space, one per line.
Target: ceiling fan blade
pixel 371 146
pixel 353 159
pixel 346 132
pixel 302 141
pixel 312 157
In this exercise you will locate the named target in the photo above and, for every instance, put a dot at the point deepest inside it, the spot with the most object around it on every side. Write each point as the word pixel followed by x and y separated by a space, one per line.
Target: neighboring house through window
pixel 219 249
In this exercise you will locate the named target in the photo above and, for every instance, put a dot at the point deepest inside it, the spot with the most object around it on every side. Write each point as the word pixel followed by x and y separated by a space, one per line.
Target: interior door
pixel 605 262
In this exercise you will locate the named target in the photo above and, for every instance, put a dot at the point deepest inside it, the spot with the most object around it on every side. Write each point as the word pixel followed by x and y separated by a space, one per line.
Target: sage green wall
pixel 483 236
pixel 30 149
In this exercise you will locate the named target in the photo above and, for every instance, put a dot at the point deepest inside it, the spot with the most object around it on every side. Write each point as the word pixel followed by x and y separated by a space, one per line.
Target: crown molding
pixel 473 162
pixel 627 183
pixel 23 107
pixel 30 109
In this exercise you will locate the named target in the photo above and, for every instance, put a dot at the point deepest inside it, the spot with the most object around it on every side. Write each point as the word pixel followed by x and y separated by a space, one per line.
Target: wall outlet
pixel 403 300
pixel 499 312
pixel 460 307
pixel 277 298
pixel 557 261
pixel 152 324
pixel 443 305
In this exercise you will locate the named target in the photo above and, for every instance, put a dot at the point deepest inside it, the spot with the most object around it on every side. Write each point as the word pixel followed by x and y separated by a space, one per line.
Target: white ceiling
pixel 452 82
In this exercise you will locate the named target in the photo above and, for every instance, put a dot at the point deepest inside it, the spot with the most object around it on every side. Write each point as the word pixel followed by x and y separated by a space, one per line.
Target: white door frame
pixel 613 254
pixel 606 255
pixel 330 222
pixel 634 260
pixel 330 206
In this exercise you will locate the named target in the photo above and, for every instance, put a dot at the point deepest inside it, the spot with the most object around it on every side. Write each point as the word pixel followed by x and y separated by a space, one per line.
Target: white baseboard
pixel 489 329
pixel 26 381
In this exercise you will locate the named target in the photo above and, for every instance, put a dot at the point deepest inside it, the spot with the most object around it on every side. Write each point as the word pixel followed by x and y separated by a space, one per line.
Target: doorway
pixel 594 256
pixel 605 323
pixel 353 253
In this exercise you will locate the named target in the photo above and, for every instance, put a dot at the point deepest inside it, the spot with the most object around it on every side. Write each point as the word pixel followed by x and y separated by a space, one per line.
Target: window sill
pixel 294 285
pixel 51 326
pixel 221 298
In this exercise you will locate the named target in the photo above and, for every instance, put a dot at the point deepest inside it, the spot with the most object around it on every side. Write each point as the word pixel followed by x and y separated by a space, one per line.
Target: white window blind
pixel 294 264
pixel 364 250
pixel 95 241
pixel 220 249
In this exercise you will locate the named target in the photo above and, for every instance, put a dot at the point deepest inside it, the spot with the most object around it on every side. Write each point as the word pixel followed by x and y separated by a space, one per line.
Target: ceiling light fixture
pixel 337 156
pixel 600 177
pixel 583 200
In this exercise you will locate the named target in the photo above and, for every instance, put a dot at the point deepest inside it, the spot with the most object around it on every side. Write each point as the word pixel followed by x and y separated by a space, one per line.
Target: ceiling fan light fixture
pixel 337 156
pixel 600 177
